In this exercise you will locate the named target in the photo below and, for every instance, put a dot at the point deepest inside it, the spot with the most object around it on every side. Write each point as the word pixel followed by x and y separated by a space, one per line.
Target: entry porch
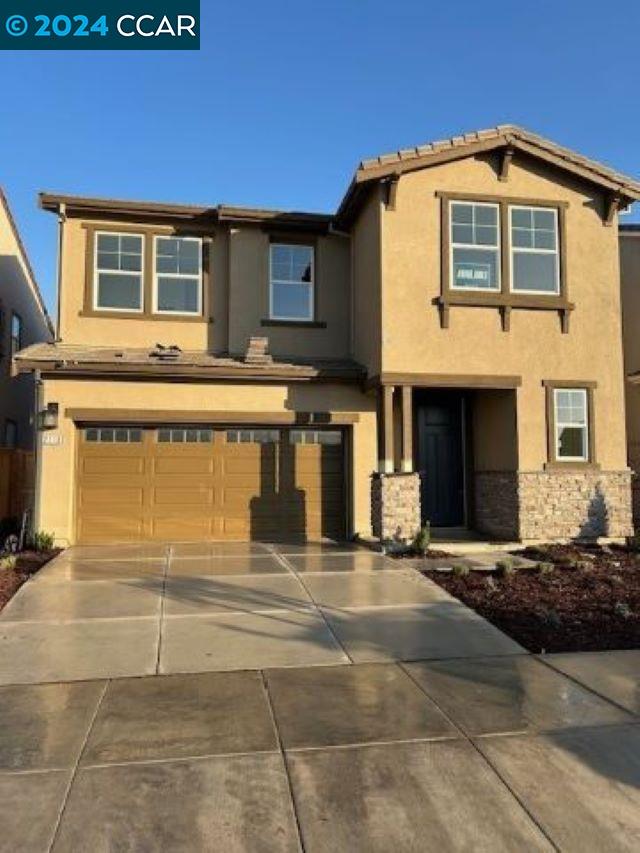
pixel 447 456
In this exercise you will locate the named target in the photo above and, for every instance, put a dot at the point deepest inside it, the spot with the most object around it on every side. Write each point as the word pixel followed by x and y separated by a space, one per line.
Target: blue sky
pixel 284 99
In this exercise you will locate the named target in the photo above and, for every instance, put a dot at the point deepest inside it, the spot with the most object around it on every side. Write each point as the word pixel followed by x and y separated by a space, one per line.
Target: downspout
pixel 62 218
pixel 37 453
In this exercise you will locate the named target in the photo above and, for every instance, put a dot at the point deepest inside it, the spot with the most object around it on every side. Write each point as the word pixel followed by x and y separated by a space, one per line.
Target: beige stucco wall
pixel 238 299
pixel 249 296
pixel 17 294
pixel 56 506
pixel 366 265
pixel 534 348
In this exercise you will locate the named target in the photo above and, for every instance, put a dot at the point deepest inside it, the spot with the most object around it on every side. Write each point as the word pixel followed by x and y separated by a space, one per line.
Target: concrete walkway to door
pixel 128 610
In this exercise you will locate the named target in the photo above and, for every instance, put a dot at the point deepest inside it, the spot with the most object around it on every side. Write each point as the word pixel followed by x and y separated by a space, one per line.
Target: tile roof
pixel 76 359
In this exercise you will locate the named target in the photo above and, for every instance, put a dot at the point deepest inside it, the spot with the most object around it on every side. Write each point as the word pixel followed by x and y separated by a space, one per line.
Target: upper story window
pixel 118 272
pixel 16 334
pixel 291 282
pixel 178 275
pixel 571 420
pixel 475 246
pixel 535 266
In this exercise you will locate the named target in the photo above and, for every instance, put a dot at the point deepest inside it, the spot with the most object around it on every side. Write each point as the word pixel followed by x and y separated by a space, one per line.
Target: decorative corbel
pixel 391 187
pixel 505 316
pixel 613 205
pixel 505 162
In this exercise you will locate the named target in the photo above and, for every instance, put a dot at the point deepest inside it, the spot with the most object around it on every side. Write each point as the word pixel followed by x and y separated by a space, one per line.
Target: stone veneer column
pixel 395 506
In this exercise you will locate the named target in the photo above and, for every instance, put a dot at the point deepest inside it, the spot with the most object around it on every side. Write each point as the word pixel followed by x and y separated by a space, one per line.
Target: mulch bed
pixel 27 564
pixel 590 601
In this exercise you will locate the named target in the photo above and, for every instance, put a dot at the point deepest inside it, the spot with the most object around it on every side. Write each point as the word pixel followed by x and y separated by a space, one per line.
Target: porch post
pixel 385 426
pixel 406 463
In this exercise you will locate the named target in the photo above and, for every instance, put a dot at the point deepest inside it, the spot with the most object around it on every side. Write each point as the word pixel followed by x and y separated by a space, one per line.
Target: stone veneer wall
pixel 575 504
pixel 547 505
pixel 634 464
pixel 395 506
pixel 496 504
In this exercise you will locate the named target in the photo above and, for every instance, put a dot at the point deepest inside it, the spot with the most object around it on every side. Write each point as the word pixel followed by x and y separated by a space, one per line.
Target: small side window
pixel 16 334
pixel 10 433
pixel 571 419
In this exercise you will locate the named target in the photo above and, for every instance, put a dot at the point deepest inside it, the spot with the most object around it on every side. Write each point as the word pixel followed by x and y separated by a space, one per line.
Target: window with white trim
pixel 178 275
pixel 475 246
pixel 118 271
pixel 291 282
pixel 535 263
pixel 571 423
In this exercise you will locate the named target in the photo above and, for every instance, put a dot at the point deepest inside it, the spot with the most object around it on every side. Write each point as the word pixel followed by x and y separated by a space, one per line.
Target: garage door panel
pixel 90 497
pixel 222 487
pixel 180 496
pixel 112 464
pixel 182 465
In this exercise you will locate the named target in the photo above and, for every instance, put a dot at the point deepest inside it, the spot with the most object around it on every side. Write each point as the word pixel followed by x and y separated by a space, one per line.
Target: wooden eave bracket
pixel 391 190
pixel 613 205
pixel 505 162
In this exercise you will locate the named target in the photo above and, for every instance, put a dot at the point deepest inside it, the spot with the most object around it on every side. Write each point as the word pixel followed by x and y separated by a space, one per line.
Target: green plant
pixel 8 562
pixel 41 541
pixel 505 568
pixel 460 570
pixel 422 539
pixel 545 568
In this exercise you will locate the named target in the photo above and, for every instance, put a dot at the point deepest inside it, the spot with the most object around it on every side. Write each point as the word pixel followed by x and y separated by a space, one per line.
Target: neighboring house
pixel 445 347
pixel 630 290
pixel 23 321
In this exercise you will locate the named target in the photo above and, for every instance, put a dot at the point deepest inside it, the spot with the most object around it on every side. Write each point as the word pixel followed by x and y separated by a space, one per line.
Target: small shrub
pixel 41 541
pixel 460 570
pixel 551 618
pixel 422 539
pixel 8 562
pixel 505 568
pixel 622 609
pixel 545 568
pixel 490 583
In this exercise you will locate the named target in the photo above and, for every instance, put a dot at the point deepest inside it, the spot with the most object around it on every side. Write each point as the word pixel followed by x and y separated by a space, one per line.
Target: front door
pixel 440 459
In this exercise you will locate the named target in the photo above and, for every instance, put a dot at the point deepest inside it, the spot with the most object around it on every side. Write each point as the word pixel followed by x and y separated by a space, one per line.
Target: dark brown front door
pixel 440 459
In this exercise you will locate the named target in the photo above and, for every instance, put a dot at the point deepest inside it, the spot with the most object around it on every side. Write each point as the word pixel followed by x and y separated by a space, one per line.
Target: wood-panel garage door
pixel 191 483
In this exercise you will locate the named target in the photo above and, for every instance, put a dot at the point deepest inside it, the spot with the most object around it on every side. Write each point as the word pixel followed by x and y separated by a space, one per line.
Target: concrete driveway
pixel 109 612
pixel 322 739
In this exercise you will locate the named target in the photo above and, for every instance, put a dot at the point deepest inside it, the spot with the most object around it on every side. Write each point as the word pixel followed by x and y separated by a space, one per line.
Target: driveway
pixel 330 734
pixel 109 612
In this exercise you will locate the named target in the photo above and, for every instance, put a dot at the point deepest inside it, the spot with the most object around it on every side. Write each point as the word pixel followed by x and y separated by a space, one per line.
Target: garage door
pixel 184 483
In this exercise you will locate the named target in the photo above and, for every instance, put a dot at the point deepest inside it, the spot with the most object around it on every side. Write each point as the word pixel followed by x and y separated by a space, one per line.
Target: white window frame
pixel 96 272
pixel 532 251
pixel 312 283
pixel 497 248
pixel 175 275
pixel 558 425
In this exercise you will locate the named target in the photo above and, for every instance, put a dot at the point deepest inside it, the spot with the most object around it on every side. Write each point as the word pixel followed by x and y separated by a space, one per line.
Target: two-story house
pixel 23 321
pixel 445 347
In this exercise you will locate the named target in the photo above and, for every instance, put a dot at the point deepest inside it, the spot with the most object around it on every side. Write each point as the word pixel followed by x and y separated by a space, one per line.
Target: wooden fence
pixel 17 477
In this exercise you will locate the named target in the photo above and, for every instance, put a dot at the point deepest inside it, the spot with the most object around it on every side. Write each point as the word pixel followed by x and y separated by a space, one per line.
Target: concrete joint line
pixel 74 769
pixel 486 760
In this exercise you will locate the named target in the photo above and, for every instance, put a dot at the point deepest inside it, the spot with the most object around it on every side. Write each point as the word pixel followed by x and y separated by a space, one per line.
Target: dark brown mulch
pixel 27 564
pixel 589 602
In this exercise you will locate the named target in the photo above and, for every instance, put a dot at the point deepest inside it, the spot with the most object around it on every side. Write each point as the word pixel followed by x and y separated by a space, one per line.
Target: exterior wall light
pixel 48 418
